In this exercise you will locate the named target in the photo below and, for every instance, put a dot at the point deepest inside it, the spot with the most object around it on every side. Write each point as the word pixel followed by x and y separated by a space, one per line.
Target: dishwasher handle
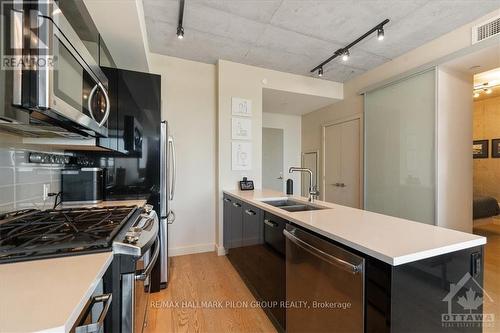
pixel 346 266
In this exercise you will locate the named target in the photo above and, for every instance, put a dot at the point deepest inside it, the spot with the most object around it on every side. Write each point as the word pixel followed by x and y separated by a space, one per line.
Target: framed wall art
pixel 480 149
pixel 495 148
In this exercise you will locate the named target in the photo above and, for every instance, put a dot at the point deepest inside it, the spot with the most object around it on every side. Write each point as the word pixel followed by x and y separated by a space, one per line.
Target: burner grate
pixel 61 231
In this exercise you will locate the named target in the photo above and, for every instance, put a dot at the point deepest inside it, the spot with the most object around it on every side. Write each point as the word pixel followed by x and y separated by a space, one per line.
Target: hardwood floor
pixel 209 278
pixel 491 231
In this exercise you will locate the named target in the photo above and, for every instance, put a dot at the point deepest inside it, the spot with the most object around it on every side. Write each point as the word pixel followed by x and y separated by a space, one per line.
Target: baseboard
pixel 220 250
pixel 183 250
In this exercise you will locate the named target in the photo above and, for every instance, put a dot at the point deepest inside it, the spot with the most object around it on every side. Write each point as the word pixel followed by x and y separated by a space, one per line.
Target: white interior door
pixel 341 166
pixel 272 158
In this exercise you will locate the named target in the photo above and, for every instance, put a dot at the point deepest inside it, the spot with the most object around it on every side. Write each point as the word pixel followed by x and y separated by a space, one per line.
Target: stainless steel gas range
pixel 130 232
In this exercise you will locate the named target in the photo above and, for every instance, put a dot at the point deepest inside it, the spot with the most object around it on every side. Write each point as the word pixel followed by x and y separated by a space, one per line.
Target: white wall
pixel 189 105
pixel 291 126
pixel 238 80
pixel 454 159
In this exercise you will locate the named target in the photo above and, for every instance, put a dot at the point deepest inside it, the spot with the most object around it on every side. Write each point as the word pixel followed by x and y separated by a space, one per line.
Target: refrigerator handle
pixel 174 171
pixel 163 171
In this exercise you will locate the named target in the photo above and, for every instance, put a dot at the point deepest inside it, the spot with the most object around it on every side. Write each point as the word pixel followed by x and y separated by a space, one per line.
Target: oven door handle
pixel 143 274
pixel 97 327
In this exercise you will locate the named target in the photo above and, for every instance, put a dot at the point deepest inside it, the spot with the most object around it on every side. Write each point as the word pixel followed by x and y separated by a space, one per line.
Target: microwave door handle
pixel 89 103
pixel 174 171
pixel 108 106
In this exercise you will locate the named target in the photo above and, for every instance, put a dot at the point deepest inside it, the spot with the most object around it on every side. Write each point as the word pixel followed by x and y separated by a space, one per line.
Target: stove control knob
pixel 148 208
pixel 131 237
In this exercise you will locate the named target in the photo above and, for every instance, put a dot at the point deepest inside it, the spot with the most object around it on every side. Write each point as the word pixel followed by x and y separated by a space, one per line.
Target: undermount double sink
pixel 291 205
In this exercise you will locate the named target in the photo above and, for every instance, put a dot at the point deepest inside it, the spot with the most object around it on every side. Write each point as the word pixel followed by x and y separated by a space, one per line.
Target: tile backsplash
pixel 21 182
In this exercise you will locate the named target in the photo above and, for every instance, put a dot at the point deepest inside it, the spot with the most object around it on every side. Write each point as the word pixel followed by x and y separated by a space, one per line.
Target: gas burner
pixel 33 233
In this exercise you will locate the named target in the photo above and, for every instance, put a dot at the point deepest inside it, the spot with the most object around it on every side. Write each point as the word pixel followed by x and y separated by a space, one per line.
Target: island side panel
pixel 439 294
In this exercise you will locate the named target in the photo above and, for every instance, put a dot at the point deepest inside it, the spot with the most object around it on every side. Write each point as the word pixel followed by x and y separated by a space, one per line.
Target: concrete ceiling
pixel 295 35
pixel 277 101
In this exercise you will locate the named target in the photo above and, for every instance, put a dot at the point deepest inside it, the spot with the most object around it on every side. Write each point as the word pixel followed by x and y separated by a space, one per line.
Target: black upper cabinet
pixel 139 94
pixel 133 96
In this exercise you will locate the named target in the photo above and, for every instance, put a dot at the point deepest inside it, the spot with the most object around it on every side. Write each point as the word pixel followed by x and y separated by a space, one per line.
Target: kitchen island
pixel 404 266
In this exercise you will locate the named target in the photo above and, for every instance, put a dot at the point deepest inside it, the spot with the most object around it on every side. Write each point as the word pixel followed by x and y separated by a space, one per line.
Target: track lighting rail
pixel 379 28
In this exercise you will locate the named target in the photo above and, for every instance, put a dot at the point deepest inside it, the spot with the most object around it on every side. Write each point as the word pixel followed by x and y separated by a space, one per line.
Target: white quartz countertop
pixel 392 240
pixel 48 295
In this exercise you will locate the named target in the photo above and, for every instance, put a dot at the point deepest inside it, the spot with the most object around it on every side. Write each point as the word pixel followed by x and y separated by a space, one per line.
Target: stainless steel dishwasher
pixel 324 285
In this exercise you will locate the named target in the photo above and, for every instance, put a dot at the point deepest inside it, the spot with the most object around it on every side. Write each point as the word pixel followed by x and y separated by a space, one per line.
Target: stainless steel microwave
pixel 52 86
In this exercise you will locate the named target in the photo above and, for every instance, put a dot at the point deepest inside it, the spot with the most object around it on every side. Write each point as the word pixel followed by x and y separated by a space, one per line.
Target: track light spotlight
pixel 488 91
pixel 180 32
pixel 180 28
pixel 345 55
pixel 476 95
pixel 380 34
pixel 320 71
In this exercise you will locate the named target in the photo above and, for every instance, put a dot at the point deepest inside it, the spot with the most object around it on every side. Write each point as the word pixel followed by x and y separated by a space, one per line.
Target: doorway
pixel 272 158
pixel 481 70
pixel 341 165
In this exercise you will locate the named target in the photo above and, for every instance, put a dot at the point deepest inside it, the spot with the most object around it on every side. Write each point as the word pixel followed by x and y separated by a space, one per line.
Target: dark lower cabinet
pixel 233 230
pixel 273 288
pixel 255 245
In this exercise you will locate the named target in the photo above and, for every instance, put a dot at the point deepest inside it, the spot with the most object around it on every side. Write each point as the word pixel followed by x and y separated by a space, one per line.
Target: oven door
pixel 73 88
pixel 136 291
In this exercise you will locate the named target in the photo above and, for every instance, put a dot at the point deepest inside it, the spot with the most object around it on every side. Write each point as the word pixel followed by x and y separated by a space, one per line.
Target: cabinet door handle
pixel 270 223
pixel 250 212
pixel 227 200
pixel 235 204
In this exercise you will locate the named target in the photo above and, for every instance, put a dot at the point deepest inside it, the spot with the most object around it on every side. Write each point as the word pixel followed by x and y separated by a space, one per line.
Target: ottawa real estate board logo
pixel 466 300
pixel 25 34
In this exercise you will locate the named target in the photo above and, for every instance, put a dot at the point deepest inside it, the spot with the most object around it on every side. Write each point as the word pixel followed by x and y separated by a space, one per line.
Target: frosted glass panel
pixel 399 149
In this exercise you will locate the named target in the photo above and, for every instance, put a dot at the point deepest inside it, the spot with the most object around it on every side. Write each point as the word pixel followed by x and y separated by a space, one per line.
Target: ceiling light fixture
pixel 345 55
pixel 380 34
pixel 344 52
pixel 488 91
pixel 476 95
pixel 180 32
pixel 320 71
pixel 180 28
